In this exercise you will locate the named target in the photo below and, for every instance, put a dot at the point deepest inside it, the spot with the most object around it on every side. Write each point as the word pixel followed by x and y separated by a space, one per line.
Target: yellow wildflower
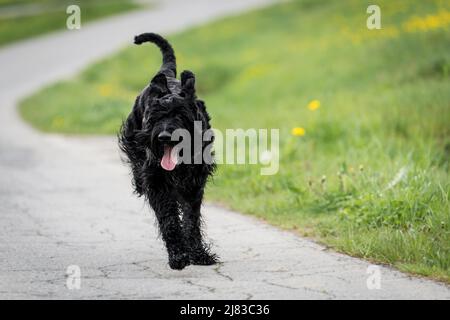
pixel 429 22
pixel 105 90
pixel 254 72
pixel 298 131
pixel 57 122
pixel 314 105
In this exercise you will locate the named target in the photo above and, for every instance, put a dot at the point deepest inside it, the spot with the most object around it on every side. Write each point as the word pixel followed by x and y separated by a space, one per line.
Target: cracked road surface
pixel 67 201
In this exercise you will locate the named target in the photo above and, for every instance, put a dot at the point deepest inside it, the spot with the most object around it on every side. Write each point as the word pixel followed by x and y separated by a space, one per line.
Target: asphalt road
pixel 66 202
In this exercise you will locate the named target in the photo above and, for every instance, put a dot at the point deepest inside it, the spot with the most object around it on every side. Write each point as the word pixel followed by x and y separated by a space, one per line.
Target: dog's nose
pixel 164 136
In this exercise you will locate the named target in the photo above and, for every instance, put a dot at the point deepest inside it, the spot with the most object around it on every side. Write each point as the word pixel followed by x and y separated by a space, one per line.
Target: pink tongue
pixel 168 161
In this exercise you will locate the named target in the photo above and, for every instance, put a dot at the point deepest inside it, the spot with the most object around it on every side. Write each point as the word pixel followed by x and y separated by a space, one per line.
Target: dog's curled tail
pixel 169 61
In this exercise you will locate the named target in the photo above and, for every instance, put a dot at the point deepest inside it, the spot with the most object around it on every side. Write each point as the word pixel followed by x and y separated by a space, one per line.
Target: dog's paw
pixel 203 258
pixel 179 261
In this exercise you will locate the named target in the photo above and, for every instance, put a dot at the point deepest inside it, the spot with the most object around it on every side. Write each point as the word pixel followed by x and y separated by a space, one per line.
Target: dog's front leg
pixel 198 250
pixel 167 214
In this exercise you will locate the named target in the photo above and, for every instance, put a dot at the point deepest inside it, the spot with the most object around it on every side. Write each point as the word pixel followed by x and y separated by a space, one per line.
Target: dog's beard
pixel 169 159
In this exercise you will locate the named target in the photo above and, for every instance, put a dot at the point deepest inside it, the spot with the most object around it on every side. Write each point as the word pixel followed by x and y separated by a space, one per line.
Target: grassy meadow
pixel 20 19
pixel 364 119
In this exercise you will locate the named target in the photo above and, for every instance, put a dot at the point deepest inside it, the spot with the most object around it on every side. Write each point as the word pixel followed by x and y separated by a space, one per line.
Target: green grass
pixel 52 16
pixel 385 111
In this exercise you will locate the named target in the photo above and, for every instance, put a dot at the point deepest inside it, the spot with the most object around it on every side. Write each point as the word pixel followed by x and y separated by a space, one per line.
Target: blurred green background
pixel 364 119
pixel 20 19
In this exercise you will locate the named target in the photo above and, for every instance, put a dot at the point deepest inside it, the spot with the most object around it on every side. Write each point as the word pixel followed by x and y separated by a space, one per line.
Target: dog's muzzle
pixel 164 136
pixel 170 158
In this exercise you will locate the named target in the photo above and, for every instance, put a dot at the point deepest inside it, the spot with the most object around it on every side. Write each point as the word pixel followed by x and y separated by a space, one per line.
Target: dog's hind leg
pixel 167 213
pixel 198 250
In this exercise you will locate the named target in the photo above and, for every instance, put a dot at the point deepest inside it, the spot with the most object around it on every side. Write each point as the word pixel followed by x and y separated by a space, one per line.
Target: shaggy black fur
pixel 175 194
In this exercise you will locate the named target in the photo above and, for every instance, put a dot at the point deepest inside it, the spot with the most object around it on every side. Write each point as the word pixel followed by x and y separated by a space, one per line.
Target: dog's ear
pixel 134 121
pixel 159 84
pixel 188 84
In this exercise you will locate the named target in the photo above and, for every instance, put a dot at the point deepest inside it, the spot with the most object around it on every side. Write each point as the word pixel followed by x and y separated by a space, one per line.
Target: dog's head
pixel 166 111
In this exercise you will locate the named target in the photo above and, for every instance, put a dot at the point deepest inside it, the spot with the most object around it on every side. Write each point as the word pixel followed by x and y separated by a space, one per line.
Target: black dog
pixel 174 191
